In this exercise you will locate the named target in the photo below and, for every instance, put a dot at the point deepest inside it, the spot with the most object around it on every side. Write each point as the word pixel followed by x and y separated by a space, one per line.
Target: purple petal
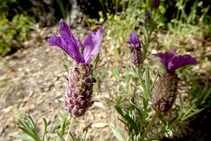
pixel 70 40
pixel 165 58
pixel 134 39
pixel 128 41
pixel 65 32
pixel 79 44
pixel 171 62
pixel 75 52
pixel 57 41
pixel 180 61
pixel 148 14
pixel 92 45
pixel 173 52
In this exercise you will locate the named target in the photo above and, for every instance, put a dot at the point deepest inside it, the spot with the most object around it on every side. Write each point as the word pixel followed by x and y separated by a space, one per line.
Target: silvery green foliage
pixel 29 128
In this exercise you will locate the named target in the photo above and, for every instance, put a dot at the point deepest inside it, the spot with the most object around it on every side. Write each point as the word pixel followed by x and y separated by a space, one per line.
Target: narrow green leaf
pixel 197 111
pixel 29 133
pixel 23 137
pixel 117 133
pixel 102 139
pixel 60 137
pixel 63 127
pixel 60 117
pixel 137 87
pixel 45 129
pixel 28 125
pixel 66 67
pixel 22 124
pixel 123 122
pixel 59 2
pixel 200 98
pixel 84 134
pixel 96 61
pixel 182 105
pixel 147 81
pixel 72 136
pixel 151 88
pixel 139 112
pixel 138 137
pixel 128 118
pixel 174 119
pixel 208 93
pixel 31 120
pixel 142 81
pixel 31 126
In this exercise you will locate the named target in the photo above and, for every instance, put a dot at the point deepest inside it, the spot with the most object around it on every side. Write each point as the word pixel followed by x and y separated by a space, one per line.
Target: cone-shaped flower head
pixel 78 94
pixel 135 49
pixel 165 90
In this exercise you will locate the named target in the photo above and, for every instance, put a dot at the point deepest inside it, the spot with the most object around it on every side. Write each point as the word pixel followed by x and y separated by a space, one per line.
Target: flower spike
pixel 135 50
pixel 78 95
pixel 165 90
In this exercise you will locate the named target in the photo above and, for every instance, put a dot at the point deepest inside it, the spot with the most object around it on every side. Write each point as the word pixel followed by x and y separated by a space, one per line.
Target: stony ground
pixel 33 79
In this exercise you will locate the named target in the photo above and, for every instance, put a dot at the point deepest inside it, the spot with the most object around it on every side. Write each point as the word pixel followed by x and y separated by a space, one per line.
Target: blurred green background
pixel 18 16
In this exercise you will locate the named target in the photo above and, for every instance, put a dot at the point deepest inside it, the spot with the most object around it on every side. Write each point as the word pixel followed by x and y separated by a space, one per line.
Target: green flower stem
pixel 150 125
pixel 70 129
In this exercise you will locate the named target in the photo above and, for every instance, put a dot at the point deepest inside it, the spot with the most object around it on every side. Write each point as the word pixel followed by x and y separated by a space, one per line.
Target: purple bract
pixel 71 46
pixel 148 14
pixel 171 62
pixel 134 40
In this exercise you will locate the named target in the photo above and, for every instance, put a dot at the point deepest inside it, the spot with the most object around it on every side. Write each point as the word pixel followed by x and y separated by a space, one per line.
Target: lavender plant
pixel 78 95
pixel 157 97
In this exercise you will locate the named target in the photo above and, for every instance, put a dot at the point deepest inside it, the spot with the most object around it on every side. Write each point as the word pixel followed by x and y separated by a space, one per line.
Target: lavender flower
pixel 78 94
pixel 165 90
pixel 135 50
pixel 148 14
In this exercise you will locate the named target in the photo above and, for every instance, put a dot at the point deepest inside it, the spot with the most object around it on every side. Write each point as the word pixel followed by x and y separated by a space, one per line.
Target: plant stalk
pixel 150 125
pixel 70 129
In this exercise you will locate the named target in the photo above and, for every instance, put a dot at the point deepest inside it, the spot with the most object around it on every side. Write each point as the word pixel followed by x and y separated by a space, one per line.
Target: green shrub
pixel 13 33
